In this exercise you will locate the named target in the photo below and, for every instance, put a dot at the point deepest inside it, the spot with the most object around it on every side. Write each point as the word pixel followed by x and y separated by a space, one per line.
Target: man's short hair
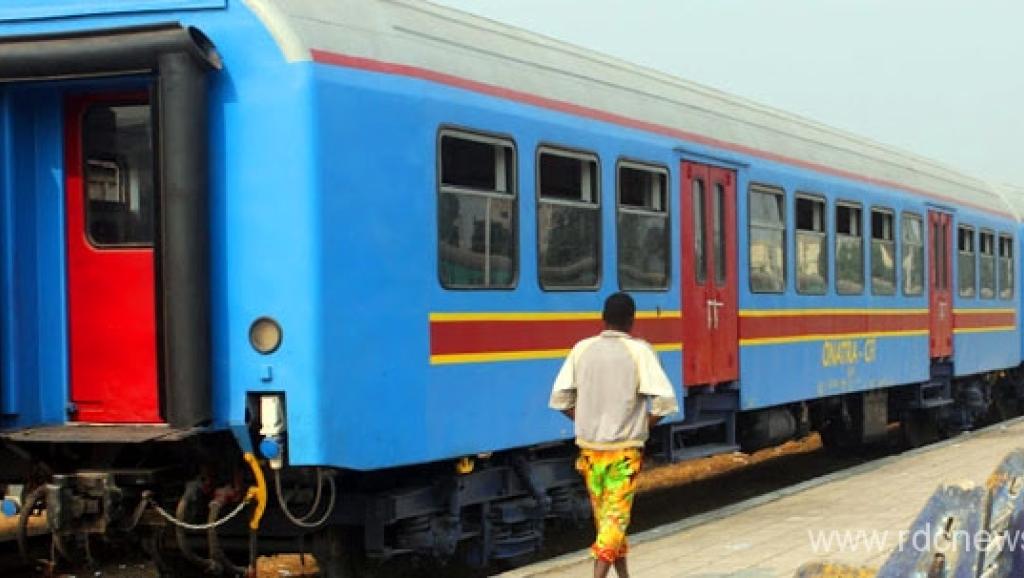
pixel 619 310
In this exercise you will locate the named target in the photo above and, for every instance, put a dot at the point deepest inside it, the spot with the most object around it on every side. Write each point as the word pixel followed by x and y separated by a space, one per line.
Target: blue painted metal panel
pixel 12 11
pixel 323 204
pixel 34 335
pixel 786 373
pixel 982 352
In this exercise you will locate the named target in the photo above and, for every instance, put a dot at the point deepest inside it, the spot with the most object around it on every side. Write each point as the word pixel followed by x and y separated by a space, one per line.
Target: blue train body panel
pixel 324 217
pixel 379 314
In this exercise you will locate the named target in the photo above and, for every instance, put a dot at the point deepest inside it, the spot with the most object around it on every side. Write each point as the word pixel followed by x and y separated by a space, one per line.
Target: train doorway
pixel 709 282
pixel 110 196
pixel 940 299
pixel 134 213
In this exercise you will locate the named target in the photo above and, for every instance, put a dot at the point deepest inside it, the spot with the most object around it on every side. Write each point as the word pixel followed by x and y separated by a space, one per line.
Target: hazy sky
pixel 941 78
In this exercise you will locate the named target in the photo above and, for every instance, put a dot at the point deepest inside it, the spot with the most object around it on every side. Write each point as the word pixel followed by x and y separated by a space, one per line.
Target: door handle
pixel 713 306
pixel 709 309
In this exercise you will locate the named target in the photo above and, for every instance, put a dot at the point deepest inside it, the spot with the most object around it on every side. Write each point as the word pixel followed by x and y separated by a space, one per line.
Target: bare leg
pixel 620 568
pixel 601 568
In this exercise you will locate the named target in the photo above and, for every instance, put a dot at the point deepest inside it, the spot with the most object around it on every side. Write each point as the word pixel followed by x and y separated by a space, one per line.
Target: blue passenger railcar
pixel 361 235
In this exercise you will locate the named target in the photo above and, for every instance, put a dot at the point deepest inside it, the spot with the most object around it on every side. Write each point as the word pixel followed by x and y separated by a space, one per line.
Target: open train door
pixel 709 278
pixel 137 218
pixel 110 192
pixel 940 299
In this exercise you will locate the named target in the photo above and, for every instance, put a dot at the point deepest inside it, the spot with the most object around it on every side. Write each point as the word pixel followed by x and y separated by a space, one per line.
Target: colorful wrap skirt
pixel 610 476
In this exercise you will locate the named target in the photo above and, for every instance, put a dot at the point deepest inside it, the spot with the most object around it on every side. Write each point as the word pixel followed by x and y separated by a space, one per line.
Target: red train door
pixel 940 300
pixel 709 281
pixel 110 198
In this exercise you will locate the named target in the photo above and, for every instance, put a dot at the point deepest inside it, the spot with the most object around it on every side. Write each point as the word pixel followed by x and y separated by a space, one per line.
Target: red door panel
pixel 697 345
pixel 940 300
pixel 708 273
pixel 110 200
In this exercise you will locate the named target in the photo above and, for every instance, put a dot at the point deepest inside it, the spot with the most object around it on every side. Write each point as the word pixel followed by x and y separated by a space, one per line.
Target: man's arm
pixel 563 392
pixel 655 384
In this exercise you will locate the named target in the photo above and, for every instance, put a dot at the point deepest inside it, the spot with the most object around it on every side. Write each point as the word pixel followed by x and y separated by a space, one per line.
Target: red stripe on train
pixel 796 326
pixel 454 337
pixel 978 320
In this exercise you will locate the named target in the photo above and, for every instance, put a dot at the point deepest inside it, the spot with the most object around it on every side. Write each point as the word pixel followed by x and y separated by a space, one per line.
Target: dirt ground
pixel 666 493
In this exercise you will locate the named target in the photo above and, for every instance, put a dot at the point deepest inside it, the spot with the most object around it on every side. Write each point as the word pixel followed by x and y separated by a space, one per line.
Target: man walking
pixel 614 388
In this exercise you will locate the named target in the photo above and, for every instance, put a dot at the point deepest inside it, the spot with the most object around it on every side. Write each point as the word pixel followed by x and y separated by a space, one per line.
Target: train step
pixel 931 395
pixel 703 451
pixel 706 434
pixel 931 403
pixel 700 423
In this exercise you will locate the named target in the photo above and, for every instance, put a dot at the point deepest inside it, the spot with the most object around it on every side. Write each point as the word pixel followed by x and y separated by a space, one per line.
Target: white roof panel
pixel 448 42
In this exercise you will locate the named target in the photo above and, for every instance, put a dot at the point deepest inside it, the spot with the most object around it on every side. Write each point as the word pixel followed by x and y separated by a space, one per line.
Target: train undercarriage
pixel 197 505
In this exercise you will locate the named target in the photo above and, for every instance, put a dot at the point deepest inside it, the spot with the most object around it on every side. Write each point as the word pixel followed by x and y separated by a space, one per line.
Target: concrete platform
pixel 854 517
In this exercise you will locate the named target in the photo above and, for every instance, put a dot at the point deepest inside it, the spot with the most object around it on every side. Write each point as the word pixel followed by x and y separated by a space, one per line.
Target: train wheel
pixel 919 428
pixel 838 437
pixel 338 553
pixel 1005 405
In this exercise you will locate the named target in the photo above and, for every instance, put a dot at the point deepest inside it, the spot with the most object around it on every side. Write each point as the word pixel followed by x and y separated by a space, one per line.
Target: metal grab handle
pixel 712 310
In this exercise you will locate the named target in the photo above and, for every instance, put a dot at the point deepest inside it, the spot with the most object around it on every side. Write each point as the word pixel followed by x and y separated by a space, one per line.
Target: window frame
pixel 863 261
pixel 824 234
pixel 913 215
pixel 495 139
pixel 761 187
pixel 995 263
pixel 583 155
pixel 84 174
pixel 882 209
pixel 999 258
pixel 635 164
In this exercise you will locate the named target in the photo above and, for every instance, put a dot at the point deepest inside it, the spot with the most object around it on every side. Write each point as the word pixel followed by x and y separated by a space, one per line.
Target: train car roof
pixel 1014 196
pixel 419 39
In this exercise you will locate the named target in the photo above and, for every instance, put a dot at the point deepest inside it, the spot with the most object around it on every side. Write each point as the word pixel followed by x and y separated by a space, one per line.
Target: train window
pixel 849 249
pixel 568 220
pixel 966 259
pixel 700 259
pixel 643 227
pixel 767 240
pixel 1005 267
pixel 718 233
pixel 477 208
pixel 811 251
pixel 117 149
pixel 883 252
pixel 939 249
pixel 913 255
pixel 987 265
